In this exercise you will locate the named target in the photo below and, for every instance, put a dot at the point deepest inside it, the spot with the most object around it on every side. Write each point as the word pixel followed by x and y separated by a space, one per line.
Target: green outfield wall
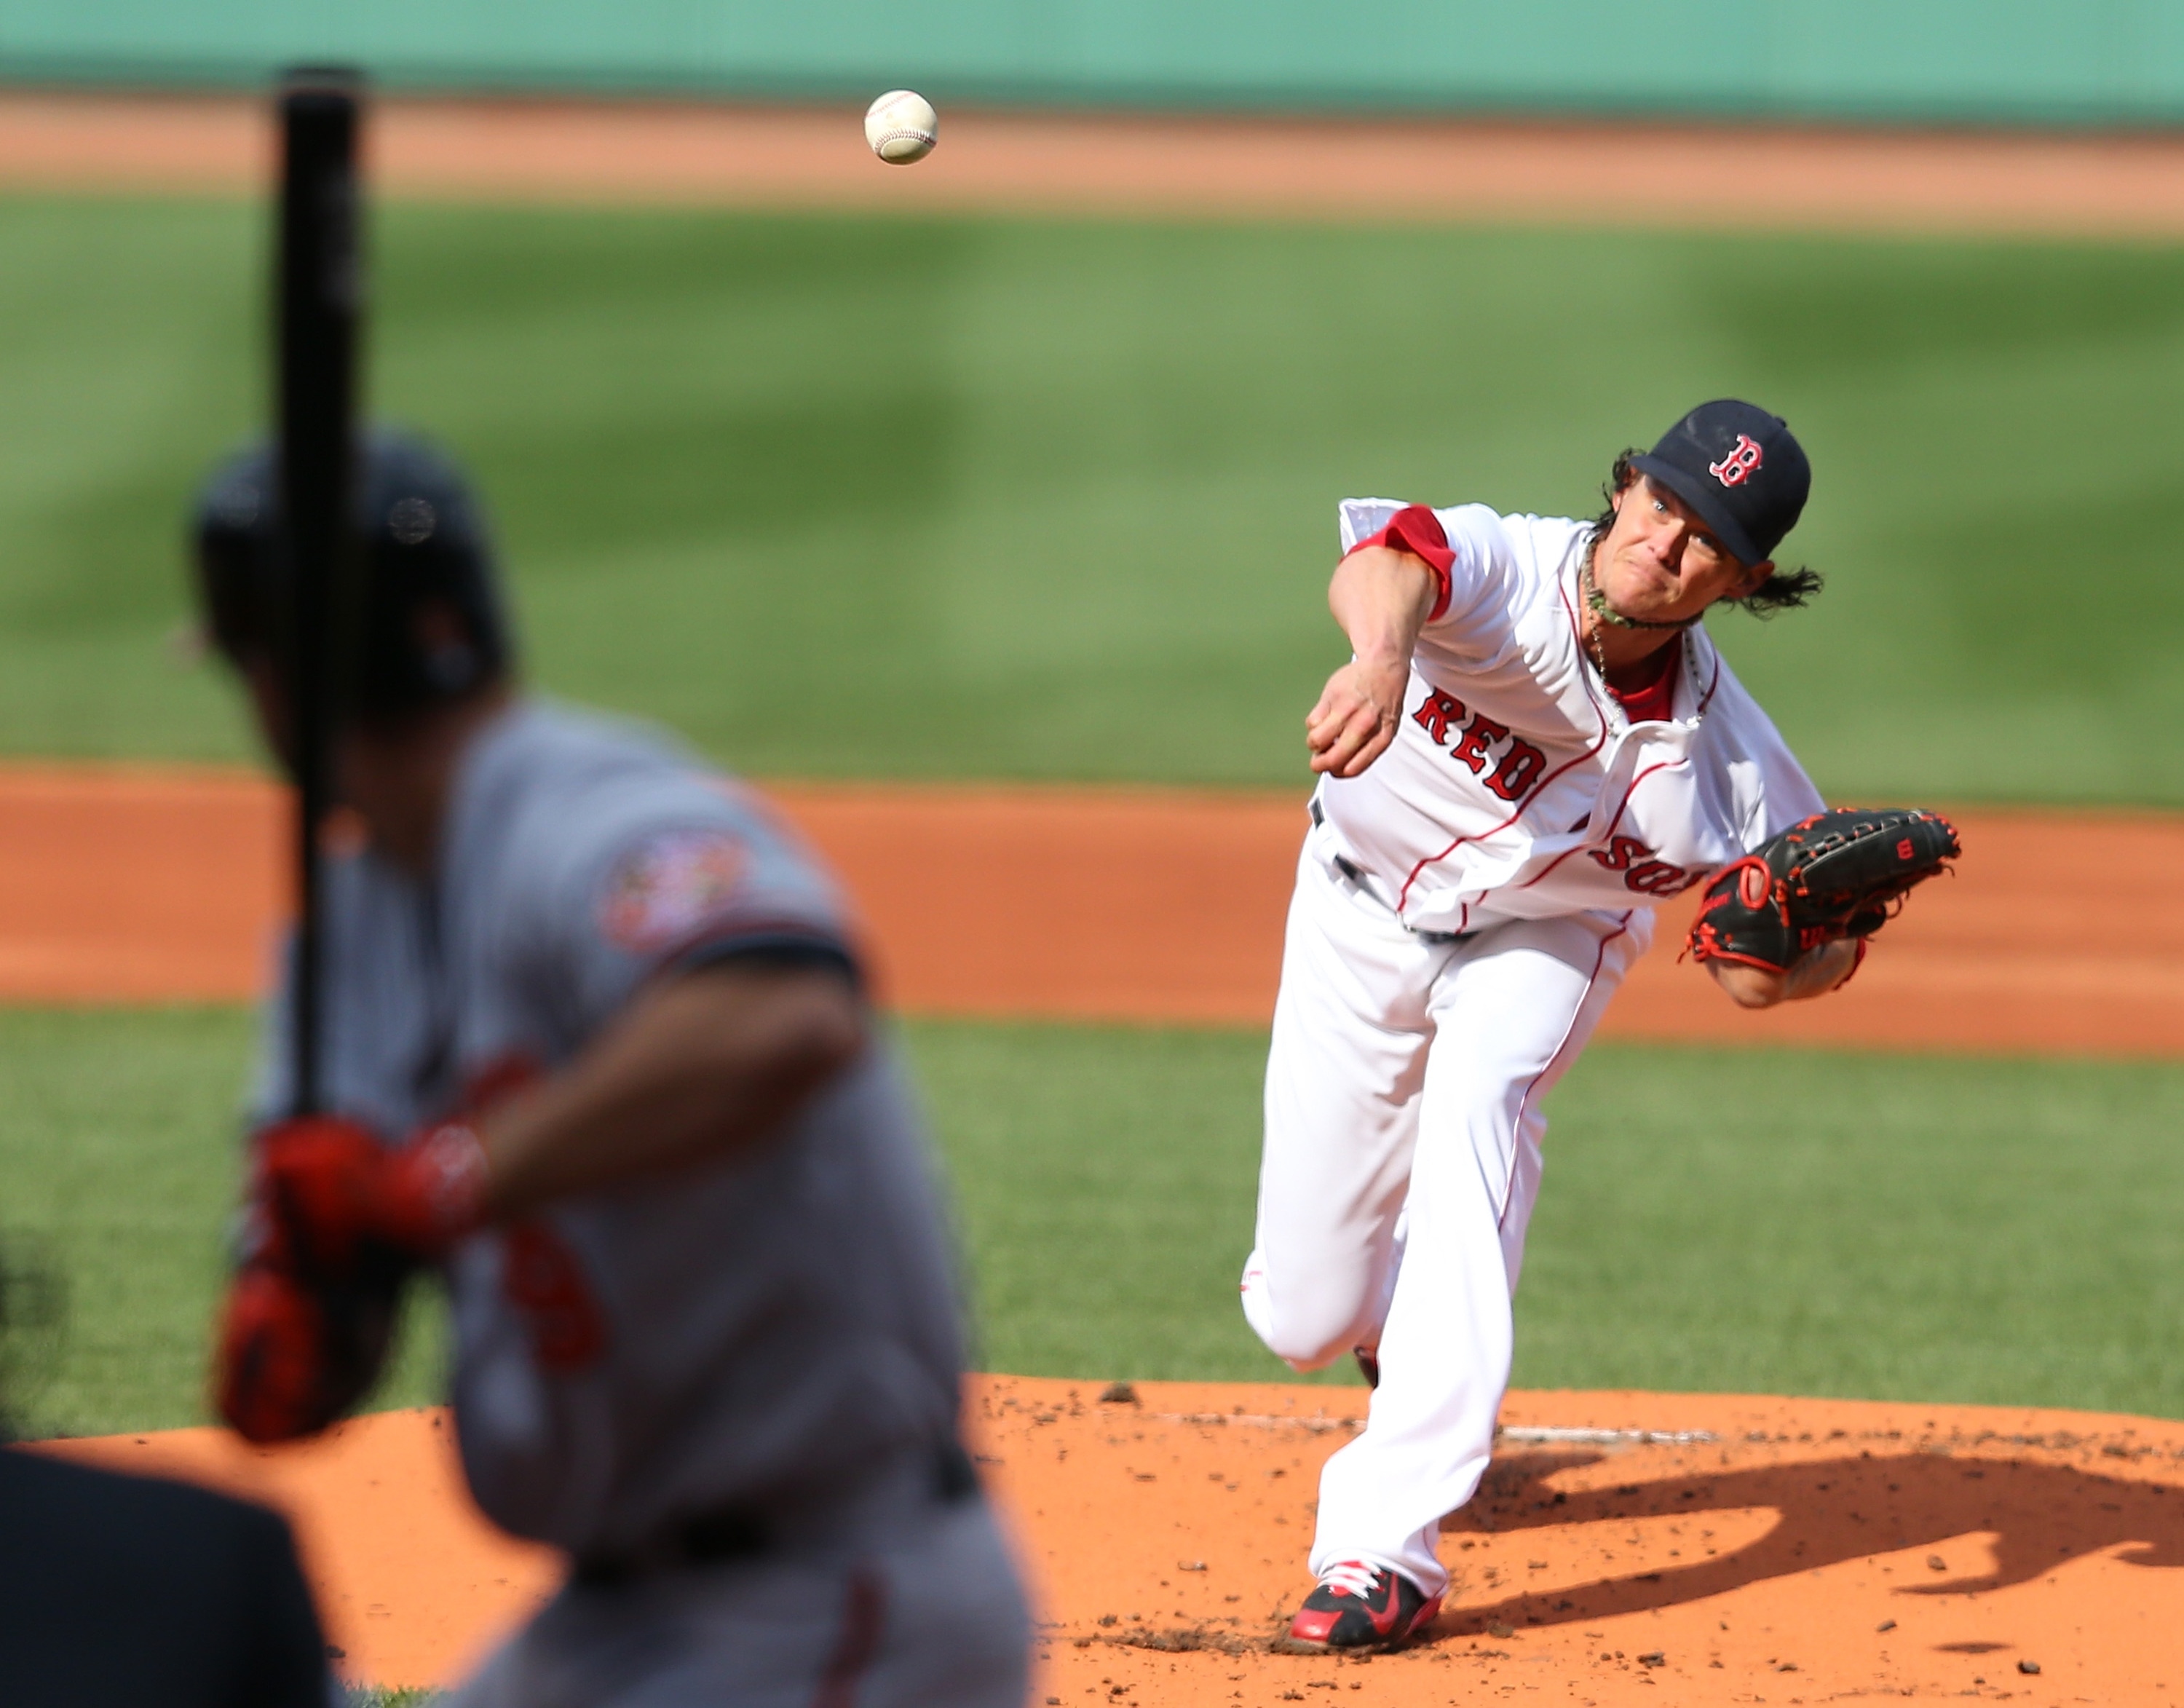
pixel 1983 61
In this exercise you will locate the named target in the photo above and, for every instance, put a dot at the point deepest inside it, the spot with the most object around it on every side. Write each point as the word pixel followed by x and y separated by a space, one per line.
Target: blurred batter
pixel 597 1049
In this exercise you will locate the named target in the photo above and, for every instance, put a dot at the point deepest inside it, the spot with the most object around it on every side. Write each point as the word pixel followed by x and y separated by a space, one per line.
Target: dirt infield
pixel 124 884
pixel 1626 1548
pixel 1223 168
pixel 144 885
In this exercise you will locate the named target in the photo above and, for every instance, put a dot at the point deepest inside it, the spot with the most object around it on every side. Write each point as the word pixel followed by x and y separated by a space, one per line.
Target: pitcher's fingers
pixel 1374 746
pixel 1335 738
pixel 1345 740
pixel 1328 719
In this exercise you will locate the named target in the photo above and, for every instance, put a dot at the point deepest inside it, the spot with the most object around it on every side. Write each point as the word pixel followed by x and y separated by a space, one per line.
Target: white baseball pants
pixel 930 1619
pixel 1400 1163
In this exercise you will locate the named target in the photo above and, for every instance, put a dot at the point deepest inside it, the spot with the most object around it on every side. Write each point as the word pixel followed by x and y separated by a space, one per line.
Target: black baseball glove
pixel 1836 875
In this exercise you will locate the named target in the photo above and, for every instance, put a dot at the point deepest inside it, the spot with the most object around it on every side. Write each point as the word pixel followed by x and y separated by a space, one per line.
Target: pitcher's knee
pixel 1306 1327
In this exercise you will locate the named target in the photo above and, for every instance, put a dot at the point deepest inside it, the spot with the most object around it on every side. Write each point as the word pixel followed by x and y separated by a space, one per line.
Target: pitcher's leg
pixel 1510 1013
pixel 1345 1068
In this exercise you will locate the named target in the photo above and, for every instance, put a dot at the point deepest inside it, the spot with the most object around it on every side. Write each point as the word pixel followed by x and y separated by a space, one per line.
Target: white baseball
pixel 902 127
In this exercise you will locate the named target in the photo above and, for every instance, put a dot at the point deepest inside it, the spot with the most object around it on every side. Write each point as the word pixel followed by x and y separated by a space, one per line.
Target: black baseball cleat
pixel 1368 1364
pixel 1356 1606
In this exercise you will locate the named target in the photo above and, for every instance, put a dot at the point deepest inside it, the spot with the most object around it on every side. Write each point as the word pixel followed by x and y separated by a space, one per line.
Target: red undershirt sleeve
pixel 1416 530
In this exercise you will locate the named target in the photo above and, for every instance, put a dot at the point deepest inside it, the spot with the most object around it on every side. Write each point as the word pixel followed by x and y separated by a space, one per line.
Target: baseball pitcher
pixel 594 1046
pixel 1534 743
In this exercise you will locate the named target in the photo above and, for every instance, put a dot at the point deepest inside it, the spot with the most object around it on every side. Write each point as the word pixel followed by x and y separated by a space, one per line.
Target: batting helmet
pixel 421 542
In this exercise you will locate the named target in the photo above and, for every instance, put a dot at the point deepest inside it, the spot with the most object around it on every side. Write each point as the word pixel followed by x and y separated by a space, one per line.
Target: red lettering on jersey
pixel 1435 712
pixel 1642 869
pixel 1738 466
pixel 1520 770
pixel 1621 851
pixel 1659 877
pixel 543 1278
pixel 1472 749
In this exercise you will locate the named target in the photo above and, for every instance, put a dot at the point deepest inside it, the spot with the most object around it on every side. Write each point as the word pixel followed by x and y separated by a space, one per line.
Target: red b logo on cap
pixel 1735 468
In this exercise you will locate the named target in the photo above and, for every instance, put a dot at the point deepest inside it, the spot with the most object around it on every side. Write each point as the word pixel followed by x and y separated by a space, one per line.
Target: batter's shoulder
pixel 601 804
pixel 553 790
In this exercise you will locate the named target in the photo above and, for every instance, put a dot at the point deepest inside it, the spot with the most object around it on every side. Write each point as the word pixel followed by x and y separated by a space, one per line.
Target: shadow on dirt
pixel 1831 1510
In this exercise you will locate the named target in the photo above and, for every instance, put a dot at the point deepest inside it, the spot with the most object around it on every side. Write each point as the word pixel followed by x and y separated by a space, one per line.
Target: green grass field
pixel 997 497
pixel 1047 499
pixel 1881 1227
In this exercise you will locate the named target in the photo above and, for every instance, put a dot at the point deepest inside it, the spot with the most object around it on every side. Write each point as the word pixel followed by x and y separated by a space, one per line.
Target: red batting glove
pixel 434 1192
pixel 295 1355
pixel 272 1381
pixel 333 1189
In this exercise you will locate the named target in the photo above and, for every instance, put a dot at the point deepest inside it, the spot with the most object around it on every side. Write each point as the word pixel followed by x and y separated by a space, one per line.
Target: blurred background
pixel 1020 468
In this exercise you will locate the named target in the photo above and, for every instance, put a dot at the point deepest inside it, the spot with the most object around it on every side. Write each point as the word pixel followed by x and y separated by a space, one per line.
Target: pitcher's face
pixel 1658 562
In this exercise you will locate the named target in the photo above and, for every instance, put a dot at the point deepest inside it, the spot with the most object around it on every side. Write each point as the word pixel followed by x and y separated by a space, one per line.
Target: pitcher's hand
pixel 1356 718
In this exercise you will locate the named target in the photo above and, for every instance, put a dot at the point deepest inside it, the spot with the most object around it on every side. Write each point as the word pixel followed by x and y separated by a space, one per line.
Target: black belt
pixel 1357 874
pixel 743 1530
pixel 1349 868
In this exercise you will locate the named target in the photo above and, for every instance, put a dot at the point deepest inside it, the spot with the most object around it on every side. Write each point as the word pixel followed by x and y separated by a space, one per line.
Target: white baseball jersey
pixel 1517 788
pixel 760 1331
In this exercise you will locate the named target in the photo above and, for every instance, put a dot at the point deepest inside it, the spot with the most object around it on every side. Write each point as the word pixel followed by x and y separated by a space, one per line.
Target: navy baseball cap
pixel 1740 468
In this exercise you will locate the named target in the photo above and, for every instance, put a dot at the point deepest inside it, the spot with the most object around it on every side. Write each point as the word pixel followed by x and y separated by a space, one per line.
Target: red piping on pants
pixel 1516 1131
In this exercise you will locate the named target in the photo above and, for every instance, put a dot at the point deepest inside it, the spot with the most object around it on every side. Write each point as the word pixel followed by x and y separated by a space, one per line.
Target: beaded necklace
pixel 1597 603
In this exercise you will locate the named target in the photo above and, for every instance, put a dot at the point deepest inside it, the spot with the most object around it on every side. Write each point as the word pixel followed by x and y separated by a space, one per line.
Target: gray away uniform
pixel 730 1392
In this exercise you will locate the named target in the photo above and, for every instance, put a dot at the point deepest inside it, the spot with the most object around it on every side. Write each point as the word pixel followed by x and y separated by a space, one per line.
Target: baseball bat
pixel 318 291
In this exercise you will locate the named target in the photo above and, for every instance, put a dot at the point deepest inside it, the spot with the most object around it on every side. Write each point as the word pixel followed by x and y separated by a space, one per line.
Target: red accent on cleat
pixel 1361 1606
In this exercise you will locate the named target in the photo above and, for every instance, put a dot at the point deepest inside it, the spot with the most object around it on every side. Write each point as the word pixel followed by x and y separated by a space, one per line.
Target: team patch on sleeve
pixel 672 888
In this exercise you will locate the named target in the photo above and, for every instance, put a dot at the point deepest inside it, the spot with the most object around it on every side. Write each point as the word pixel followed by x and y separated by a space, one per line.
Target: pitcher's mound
pixel 1625 1547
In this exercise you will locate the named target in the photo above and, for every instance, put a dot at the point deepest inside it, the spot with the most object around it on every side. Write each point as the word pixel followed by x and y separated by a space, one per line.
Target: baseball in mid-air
pixel 902 127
